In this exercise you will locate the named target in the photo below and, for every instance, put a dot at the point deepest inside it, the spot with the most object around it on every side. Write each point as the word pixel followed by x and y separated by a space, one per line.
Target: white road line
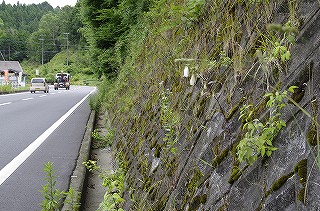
pixel 42 95
pixel 25 99
pixel 17 161
pixel 5 103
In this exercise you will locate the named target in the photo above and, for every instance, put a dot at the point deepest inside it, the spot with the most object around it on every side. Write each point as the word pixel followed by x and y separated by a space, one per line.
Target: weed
pixel 100 141
pixel 115 183
pixel 95 134
pixel 259 136
pixel 72 200
pixel 52 196
pixel 274 50
pixel 91 165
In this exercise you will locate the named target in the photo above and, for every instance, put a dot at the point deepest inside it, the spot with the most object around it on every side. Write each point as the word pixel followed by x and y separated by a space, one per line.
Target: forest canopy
pixel 30 29
pixel 97 28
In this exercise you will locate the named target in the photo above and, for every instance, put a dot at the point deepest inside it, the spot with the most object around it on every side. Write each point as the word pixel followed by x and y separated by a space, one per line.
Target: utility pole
pixel 42 50
pixel 67 49
pixel 9 53
pixel 2 56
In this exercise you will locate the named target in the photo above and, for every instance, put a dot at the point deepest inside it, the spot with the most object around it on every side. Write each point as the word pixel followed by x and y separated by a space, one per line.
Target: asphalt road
pixel 34 129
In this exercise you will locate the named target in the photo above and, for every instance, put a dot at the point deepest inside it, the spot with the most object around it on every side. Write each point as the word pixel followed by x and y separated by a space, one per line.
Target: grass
pixel 6 89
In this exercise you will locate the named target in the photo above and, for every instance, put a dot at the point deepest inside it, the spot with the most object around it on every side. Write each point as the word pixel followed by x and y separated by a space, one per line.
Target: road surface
pixel 34 129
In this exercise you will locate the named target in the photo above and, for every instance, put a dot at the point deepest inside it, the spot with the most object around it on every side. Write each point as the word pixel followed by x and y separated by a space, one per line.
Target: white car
pixel 39 84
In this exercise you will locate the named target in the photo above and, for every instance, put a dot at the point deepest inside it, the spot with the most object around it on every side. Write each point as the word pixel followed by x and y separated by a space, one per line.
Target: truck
pixel 62 81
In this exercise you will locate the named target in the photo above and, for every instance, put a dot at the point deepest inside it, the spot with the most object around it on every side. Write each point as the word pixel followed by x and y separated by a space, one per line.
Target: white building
pixel 12 73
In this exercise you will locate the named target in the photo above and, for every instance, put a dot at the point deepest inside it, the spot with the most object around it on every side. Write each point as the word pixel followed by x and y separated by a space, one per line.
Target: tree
pixel 107 23
pixel 1 27
pixel 20 21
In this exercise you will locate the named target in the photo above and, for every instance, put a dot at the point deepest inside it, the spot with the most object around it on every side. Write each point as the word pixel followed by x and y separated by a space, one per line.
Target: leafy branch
pixel 52 196
pixel 259 135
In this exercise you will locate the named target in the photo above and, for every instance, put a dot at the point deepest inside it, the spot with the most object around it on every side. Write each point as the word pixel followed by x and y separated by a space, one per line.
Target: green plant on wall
pixel 274 50
pixel 192 11
pixel 259 135
pixel 280 47
pixel 169 120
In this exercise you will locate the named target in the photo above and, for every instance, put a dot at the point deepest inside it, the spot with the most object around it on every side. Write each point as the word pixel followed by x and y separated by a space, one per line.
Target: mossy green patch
pixel 279 183
pixel 201 107
pixel 218 159
pixel 223 207
pixel 160 204
pixel 158 151
pixel 312 135
pixel 302 195
pixel 192 185
pixel 301 169
pixel 235 174
pixel 194 182
pixel 197 201
pixel 235 108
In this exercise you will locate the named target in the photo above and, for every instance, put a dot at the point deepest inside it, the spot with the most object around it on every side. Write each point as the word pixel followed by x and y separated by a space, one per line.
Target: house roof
pixel 12 66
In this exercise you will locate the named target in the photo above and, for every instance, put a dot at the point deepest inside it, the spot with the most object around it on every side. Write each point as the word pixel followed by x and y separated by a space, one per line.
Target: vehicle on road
pixel 62 81
pixel 39 84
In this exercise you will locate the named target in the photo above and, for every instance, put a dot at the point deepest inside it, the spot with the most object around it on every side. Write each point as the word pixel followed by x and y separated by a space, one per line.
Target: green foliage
pixel 95 134
pixel 100 141
pixel 72 200
pixel 6 88
pixel 192 11
pixel 52 33
pixel 259 136
pixel 91 165
pixel 224 61
pixel 97 99
pixel 106 23
pixel 115 184
pixel 30 29
pixel 274 50
pixel 51 196
pixel 20 21
pixel 280 51
pixel 1 28
pixel 169 120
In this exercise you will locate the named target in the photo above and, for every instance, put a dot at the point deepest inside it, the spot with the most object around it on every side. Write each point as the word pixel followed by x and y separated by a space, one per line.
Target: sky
pixel 53 3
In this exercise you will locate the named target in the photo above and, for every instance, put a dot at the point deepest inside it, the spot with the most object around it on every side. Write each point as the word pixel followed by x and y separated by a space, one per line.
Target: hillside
pixel 230 134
